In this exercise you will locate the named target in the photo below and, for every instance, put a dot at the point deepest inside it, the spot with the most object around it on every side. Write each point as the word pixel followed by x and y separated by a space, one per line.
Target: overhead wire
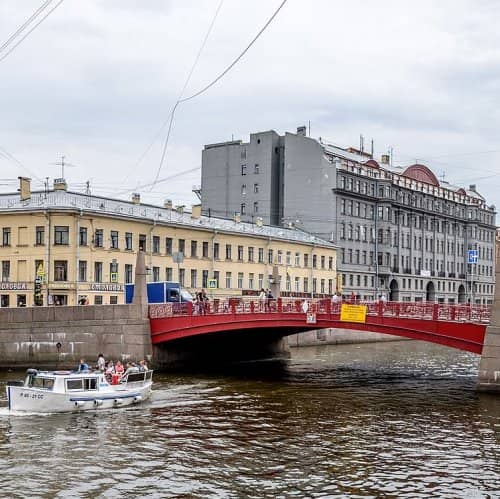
pixel 3 56
pixel 212 83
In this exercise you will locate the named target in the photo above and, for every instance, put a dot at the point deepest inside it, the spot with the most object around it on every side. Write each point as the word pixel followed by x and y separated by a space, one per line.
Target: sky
pixel 97 80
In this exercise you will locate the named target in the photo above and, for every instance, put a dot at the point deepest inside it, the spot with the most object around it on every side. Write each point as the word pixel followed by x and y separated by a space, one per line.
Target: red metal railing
pixel 252 305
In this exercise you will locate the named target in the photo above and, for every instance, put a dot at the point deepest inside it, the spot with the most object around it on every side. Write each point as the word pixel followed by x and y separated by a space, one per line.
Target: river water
pixel 399 419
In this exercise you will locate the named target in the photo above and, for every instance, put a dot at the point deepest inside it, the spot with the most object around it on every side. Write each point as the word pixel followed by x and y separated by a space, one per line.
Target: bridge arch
pixel 430 292
pixel 394 290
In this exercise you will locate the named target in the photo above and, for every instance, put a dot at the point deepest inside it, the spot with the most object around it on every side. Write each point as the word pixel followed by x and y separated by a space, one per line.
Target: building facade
pixel 60 247
pixel 400 230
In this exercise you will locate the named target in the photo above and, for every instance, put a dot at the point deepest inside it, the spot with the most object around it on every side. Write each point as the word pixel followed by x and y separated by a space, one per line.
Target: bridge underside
pixel 195 338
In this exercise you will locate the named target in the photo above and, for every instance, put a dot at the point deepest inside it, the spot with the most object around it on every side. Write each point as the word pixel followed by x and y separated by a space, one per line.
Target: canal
pixel 399 419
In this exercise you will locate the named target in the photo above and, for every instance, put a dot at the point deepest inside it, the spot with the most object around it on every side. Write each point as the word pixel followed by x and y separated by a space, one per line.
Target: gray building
pixel 400 231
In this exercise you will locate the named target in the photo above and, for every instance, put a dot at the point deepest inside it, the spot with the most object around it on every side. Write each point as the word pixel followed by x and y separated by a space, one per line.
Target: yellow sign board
pixel 39 271
pixel 353 313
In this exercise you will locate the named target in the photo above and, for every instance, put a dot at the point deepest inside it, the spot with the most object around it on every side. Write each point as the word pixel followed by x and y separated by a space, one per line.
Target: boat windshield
pixel 40 382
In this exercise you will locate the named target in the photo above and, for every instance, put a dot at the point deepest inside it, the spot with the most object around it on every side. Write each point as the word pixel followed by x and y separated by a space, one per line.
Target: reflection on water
pixel 392 420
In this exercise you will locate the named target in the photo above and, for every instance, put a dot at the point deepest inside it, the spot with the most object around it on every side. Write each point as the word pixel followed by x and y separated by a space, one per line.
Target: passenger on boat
pixel 110 370
pixel 143 366
pixel 131 368
pixel 119 368
pixel 101 363
pixel 83 366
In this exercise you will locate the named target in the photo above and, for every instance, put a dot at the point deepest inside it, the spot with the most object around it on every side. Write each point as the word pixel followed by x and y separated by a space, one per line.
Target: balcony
pixel 395 270
pixel 452 274
pixel 406 271
pixel 441 274
pixel 461 276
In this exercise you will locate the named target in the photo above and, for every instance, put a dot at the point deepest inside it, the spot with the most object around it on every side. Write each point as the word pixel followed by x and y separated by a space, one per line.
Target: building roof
pixel 62 200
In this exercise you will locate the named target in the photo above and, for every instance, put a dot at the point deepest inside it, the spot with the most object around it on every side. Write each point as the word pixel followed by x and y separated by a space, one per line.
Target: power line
pixel 7 155
pixel 213 82
pixel 30 31
pixel 170 119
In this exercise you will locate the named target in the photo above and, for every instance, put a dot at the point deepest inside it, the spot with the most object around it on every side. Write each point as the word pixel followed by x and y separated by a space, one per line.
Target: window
pixel 156 244
pixel 243 209
pixel 270 256
pixel 216 251
pixel 306 260
pixel 83 240
pixel 330 261
pixel 240 253
pixel 228 251
pixel 128 241
pixel 156 274
pixel 315 261
pixel 6 236
pixel 169 274
pixel 306 285
pixel 98 300
pixel 82 271
pixel 194 278
pixel 168 246
pixel 256 207
pixel 323 260
pixel 182 276
pixel 280 256
pixel 205 249
pixel 5 270
pixel 251 279
pixel 243 169
pixel 97 271
pixel 182 246
pixel 40 236
pixel 204 279
pixel 216 278
pixel 243 189
pixel 128 273
pixel 114 239
pixel 194 249
pixel 113 271
pixel 60 270
pixel 256 188
pixel 113 300
pixel 250 253
pixel 261 281
pixel 240 280
pixel 261 255
pixel 98 238
pixel 61 234
pixel 297 259
pixel 228 280
pixel 256 168
pixel 288 258
pixel 142 242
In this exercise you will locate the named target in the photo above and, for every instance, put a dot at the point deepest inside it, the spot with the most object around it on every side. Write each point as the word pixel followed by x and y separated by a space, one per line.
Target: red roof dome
pixel 422 174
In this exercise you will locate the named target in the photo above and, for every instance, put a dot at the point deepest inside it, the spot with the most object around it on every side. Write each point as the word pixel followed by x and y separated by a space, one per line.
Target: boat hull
pixel 25 399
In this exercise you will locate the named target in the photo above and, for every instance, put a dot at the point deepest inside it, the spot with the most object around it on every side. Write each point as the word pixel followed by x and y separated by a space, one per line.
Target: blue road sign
pixel 472 256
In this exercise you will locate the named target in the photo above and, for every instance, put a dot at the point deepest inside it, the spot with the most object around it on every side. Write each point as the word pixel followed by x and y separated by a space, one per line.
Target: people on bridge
pixel 262 300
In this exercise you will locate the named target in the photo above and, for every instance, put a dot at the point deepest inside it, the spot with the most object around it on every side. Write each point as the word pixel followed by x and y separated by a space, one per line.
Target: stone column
pixel 140 286
pixel 489 367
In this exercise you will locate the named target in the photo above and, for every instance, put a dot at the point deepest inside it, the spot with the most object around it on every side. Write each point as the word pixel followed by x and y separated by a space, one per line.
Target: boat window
pixel 149 374
pixel 44 383
pixel 74 384
pixel 133 377
pixel 90 384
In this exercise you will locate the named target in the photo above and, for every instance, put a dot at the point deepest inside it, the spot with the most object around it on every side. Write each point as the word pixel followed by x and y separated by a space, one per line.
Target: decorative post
pixel 489 367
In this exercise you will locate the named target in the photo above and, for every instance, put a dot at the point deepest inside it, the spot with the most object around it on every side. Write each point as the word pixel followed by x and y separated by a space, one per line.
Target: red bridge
pixel 458 326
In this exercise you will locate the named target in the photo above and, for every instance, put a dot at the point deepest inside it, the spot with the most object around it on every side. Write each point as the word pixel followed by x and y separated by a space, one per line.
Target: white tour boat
pixel 68 391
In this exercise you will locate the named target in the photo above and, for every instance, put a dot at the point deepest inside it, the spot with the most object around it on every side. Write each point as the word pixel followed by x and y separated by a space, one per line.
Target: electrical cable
pixel 31 30
pixel 212 83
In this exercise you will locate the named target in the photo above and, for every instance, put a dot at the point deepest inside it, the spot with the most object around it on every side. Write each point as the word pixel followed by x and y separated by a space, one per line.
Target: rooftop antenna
pixel 442 176
pixel 309 123
pixel 87 189
pixel 62 164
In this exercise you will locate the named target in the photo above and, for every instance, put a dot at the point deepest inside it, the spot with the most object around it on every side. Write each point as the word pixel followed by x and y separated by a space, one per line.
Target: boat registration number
pixel 36 396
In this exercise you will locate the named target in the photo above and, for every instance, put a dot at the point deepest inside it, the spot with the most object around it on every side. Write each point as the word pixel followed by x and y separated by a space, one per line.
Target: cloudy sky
pixel 97 80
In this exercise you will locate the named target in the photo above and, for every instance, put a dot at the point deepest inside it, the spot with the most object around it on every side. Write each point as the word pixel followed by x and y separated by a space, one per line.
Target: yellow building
pixel 65 247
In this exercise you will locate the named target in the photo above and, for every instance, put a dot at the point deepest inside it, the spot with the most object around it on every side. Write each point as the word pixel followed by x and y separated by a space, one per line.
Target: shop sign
pixel 13 286
pixel 99 286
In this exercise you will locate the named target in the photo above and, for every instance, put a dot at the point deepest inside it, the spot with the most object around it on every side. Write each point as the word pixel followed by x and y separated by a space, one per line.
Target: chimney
pixel 24 188
pixel 60 184
pixel 136 198
pixel 180 209
pixel 472 187
pixel 196 211
pixel 259 222
pixel 167 204
pixel 237 217
pixel 302 130
pixel 385 159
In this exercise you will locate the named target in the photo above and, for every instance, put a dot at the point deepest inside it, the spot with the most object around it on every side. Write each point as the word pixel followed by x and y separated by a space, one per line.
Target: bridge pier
pixel 213 350
pixel 489 367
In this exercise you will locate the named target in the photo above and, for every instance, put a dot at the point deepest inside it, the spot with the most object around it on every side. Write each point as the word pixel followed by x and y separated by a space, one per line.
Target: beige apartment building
pixel 67 247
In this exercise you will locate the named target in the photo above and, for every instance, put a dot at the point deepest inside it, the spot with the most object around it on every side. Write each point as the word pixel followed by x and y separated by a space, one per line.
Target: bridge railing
pixel 293 306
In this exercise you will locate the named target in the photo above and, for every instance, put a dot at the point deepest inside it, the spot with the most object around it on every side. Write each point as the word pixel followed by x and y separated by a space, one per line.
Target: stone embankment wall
pixel 59 336
pixel 338 337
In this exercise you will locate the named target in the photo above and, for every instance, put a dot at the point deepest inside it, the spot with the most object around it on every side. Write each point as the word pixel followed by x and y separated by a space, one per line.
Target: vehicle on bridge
pixel 161 292
pixel 69 391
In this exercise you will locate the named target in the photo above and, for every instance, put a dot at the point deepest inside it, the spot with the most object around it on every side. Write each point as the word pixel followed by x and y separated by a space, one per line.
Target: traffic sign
pixel 212 283
pixel 472 256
